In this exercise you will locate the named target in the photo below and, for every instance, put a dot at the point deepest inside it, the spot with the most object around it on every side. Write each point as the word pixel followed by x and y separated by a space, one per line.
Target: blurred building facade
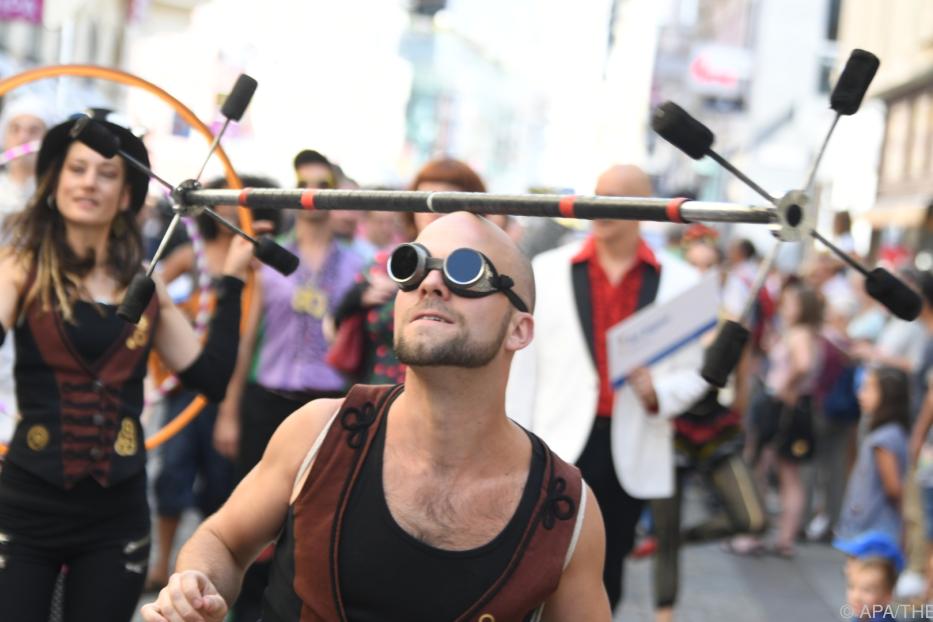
pixel 757 72
pixel 532 91
pixel 57 32
pixel 529 91
pixel 900 32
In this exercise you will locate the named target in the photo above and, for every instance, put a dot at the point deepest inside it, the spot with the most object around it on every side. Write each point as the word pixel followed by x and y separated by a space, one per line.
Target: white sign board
pixel 660 330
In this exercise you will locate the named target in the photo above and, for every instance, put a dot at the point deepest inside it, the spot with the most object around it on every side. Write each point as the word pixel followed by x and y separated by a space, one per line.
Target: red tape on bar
pixel 673 209
pixel 566 207
pixel 244 194
pixel 307 199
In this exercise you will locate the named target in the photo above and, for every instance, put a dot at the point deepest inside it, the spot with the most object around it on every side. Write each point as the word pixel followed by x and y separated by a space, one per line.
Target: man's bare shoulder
pixel 580 594
pixel 295 436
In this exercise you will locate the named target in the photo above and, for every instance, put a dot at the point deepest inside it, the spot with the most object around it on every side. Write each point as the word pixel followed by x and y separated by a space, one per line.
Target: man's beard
pixel 454 352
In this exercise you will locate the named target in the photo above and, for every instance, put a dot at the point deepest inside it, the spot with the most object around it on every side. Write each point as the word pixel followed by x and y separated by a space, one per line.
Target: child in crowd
pixel 870 588
pixel 871 572
pixel 875 489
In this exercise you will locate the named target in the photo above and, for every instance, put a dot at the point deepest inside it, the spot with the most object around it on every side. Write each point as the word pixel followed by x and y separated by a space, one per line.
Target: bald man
pixel 417 502
pixel 560 386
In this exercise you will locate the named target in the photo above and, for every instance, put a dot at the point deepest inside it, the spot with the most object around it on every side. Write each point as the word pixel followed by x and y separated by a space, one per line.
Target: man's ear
pixel 521 331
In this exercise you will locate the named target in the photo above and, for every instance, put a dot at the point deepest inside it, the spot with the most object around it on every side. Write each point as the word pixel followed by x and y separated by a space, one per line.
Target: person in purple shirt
pixel 281 364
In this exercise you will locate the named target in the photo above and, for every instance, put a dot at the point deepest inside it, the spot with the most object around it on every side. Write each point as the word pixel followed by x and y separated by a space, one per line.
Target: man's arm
pixel 211 564
pixel 678 391
pixel 581 594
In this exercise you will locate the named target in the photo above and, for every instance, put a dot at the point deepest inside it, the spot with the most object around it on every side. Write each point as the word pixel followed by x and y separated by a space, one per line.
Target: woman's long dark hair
pixel 894 398
pixel 810 301
pixel 37 235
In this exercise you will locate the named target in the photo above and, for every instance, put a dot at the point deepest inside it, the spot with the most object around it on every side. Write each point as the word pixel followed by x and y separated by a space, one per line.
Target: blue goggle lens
pixel 464 266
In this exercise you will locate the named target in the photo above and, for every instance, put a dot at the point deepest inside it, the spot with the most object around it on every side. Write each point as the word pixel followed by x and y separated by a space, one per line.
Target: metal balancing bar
pixel 560 206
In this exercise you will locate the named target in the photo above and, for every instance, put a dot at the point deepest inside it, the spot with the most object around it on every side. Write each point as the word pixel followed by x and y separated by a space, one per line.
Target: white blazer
pixel 553 385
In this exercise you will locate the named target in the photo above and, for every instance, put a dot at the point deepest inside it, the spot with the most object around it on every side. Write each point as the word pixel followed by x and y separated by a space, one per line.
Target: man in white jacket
pixel 560 386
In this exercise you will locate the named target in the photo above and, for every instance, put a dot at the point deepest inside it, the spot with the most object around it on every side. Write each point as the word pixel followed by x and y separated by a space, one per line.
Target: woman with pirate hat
pixel 73 487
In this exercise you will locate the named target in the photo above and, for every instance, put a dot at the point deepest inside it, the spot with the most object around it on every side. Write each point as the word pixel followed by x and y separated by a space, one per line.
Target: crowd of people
pixel 306 463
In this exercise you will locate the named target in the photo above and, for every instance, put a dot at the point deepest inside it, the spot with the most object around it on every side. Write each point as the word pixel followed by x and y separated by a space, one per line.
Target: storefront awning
pixel 902 212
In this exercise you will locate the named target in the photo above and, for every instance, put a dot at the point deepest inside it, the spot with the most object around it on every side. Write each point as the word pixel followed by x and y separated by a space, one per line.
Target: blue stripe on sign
pixel 677 345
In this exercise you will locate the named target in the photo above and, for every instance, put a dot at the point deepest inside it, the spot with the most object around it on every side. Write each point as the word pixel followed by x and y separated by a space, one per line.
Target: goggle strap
pixel 504 284
pixel 501 282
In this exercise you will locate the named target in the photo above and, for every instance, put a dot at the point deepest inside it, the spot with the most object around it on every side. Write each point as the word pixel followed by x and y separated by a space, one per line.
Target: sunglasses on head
pixel 467 272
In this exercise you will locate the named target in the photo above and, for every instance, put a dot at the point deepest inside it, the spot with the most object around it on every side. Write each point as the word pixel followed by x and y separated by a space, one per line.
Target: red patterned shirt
pixel 612 303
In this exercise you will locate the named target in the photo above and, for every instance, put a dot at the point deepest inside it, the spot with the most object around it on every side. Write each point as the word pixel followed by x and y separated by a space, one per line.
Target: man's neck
pixel 617 255
pixel 451 418
pixel 312 233
pixel 313 239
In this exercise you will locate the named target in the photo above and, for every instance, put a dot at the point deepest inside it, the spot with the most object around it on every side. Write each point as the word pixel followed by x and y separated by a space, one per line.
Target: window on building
pixel 832 20
pixel 895 142
pixel 428 8
pixel 824 74
pixel 920 136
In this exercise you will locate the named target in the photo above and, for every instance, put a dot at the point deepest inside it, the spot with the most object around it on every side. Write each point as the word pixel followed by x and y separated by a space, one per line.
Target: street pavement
pixel 720 587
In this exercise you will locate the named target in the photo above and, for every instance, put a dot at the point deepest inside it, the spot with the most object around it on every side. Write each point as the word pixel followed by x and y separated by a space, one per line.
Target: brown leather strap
pixel 538 563
pixel 328 486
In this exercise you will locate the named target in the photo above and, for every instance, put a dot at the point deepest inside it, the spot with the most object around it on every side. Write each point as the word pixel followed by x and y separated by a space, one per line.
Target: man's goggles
pixel 467 272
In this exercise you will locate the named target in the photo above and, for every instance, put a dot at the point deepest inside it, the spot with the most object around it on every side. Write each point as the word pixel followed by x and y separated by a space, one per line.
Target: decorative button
pixel 98 387
pixel 99 419
pixel 37 437
pixel 126 444
pixel 97 453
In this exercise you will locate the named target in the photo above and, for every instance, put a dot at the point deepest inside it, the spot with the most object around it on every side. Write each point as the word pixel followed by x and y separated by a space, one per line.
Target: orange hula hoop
pixel 121 77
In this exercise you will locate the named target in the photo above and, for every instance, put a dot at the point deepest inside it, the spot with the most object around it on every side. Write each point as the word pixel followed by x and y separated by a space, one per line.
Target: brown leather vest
pixel 79 418
pixel 527 581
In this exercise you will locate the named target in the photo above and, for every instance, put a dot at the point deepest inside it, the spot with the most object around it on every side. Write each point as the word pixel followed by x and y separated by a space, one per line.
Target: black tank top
pixel 94 332
pixel 384 569
pixel 90 337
